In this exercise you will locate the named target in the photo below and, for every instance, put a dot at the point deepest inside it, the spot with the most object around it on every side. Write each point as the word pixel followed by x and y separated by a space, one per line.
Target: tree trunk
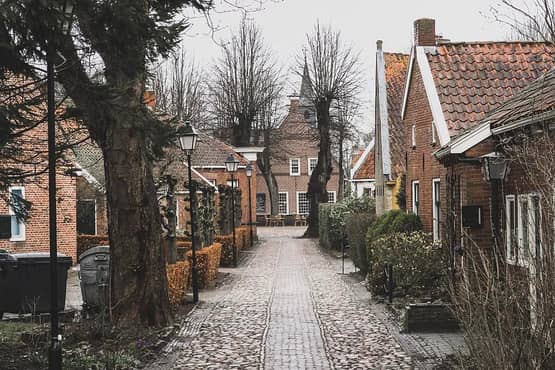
pixel 242 132
pixel 265 166
pixel 172 220
pixel 341 185
pixel 317 192
pixel 138 270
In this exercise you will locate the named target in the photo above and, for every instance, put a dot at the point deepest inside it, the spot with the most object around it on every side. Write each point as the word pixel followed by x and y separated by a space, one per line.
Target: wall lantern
pixel 495 166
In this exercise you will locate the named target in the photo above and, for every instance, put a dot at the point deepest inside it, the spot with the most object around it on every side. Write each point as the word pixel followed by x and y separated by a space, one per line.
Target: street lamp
pixel 231 165
pixel 187 141
pixel 248 172
pixel 65 9
pixel 495 166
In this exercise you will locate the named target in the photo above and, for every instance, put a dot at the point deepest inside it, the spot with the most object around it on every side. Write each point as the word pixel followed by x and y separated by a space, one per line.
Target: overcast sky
pixel 285 24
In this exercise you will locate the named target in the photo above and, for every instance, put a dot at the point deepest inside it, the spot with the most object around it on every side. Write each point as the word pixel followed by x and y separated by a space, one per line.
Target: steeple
pixel 305 92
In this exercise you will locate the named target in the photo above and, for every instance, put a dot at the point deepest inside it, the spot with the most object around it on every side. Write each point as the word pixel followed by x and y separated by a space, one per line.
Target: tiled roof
pixel 366 170
pixel 211 152
pixel 473 78
pixel 396 66
pixel 356 156
pixel 89 157
pixel 535 99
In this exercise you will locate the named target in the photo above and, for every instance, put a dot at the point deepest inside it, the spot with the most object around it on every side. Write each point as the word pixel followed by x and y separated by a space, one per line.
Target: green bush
pixel 356 226
pixel 419 264
pixel 332 219
pixel 395 221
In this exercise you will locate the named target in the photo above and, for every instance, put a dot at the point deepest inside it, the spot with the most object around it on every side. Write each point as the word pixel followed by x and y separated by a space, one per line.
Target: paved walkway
pixel 285 308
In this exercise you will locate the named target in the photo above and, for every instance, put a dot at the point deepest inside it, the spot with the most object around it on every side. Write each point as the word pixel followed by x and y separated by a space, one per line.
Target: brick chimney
pixel 425 32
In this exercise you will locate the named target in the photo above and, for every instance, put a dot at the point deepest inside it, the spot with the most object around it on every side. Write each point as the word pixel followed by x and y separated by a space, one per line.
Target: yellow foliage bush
pixel 207 263
pixel 178 281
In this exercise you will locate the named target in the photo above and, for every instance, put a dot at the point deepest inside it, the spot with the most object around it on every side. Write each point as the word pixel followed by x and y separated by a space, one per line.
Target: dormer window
pixel 413 135
pixel 295 167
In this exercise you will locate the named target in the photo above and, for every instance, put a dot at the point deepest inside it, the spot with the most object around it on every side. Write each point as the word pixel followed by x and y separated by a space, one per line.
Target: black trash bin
pixel 25 282
pixel 94 266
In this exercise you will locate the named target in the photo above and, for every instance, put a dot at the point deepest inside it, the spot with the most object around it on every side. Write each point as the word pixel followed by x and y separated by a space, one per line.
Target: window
pixel 433 134
pixel 436 208
pixel 235 183
pixel 17 193
pixel 524 242
pixel 413 135
pixel 303 205
pixel 260 203
pixel 511 228
pixel 283 203
pixel 331 196
pixel 86 217
pixel 312 162
pixel 415 196
pixel 295 167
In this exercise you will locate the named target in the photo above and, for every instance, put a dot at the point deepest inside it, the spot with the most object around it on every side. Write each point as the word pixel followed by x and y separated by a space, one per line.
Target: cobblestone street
pixel 285 307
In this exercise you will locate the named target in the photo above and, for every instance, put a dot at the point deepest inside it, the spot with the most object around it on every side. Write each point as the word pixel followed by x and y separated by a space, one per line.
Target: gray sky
pixel 285 23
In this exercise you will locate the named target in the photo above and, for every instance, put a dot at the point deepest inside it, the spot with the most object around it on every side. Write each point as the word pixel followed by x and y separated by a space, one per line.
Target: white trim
pixel 433 134
pixel 177 214
pixel 286 202
pixel 22 228
pixel 413 135
pixel 407 83
pixel 291 173
pixel 413 202
pixel 362 158
pixel 431 93
pixel 87 175
pixel 472 138
pixel 512 259
pixel 193 170
pixel 308 163
pixel 381 85
pixel 436 212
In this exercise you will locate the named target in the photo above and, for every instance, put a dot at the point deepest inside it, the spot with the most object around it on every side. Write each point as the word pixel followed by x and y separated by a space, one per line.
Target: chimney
pixel 379 44
pixel 425 32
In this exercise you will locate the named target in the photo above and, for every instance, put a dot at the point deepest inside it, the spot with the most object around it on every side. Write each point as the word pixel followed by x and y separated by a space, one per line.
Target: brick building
pixel 362 173
pixel 389 158
pixel 298 156
pixel 450 87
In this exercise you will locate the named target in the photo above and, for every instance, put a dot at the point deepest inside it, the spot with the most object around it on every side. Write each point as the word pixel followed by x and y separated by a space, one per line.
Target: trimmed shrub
pixel 208 261
pixel 86 242
pixel 179 275
pixel 356 226
pixel 226 242
pixel 395 221
pixel 419 264
pixel 333 217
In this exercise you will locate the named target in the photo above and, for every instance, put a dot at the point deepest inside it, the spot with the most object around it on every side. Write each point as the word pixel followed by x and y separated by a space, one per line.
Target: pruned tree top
pixel 529 20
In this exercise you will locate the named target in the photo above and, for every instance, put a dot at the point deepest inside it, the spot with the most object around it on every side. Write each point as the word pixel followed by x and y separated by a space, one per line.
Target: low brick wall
pixel 429 317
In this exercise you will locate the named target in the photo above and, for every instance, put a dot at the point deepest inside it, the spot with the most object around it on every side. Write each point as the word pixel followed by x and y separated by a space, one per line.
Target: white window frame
pixel 433 134
pixel 298 203
pixel 176 214
pixel 527 252
pixel 414 200
pixel 291 173
pixel 511 202
pixel 235 183
pixel 315 164
pixel 334 196
pixel 436 210
pixel 286 202
pixel 11 212
pixel 413 135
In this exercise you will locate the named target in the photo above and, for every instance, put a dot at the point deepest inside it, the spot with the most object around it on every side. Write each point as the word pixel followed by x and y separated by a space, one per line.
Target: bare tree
pixel 529 20
pixel 246 82
pixel 334 74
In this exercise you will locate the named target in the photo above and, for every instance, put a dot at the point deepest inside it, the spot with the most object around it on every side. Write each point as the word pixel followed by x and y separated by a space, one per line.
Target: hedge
pixel 226 242
pixel 419 264
pixel 86 242
pixel 207 263
pixel 179 275
pixel 356 227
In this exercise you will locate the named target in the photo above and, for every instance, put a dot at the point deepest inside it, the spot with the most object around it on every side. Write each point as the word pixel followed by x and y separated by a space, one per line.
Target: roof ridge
pixel 490 42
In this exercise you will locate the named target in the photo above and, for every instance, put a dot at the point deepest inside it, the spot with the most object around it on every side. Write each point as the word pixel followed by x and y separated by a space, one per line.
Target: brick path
pixel 285 308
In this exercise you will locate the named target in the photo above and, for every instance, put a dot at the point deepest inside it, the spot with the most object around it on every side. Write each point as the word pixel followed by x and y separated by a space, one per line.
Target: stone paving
pixel 287 308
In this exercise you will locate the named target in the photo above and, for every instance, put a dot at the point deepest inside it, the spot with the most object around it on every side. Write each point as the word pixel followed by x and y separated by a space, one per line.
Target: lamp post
pixel 248 172
pixel 188 141
pixel 231 165
pixel 65 9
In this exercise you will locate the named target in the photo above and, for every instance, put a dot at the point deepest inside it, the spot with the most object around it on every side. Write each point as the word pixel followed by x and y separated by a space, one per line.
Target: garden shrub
pixel 333 219
pixel 207 263
pixel 179 275
pixel 419 264
pixel 226 242
pixel 86 242
pixel 356 226
pixel 395 221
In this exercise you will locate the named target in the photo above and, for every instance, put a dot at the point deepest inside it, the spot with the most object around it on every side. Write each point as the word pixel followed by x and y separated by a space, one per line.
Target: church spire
pixel 305 92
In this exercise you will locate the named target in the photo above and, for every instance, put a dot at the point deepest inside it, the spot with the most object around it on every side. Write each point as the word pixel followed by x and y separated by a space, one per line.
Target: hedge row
pixel 179 275
pixel 207 263
pixel 242 239
pixel 86 242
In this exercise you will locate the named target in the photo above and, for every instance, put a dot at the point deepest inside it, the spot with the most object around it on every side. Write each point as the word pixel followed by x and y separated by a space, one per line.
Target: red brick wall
pixel 421 164
pixel 36 228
